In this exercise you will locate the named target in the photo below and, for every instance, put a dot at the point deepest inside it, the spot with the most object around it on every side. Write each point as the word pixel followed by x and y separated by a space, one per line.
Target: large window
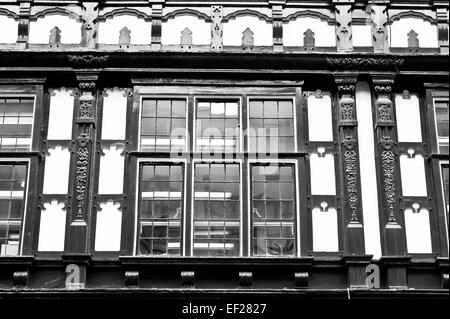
pixel 16 122
pixel 217 126
pixel 12 202
pixel 271 126
pixel 217 209
pixel 441 110
pixel 161 194
pixel 273 221
pixel 163 125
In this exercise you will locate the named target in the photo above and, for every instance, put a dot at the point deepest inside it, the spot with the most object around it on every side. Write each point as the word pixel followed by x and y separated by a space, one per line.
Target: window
pixel 273 221
pixel 271 126
pixel 217 124
pixel 12 202
pixel 161 193
pixel 16 122
pixel 446 189
pixel 163 125
pixel 441 110
pixel 216 209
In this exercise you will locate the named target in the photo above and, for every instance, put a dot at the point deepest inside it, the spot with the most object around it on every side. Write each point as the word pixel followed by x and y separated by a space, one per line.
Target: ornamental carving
pixel 388 164
pixel 351 174
pixel 384 112
pixel 88 59
pixel 365 62
pixel 85 86
pixel 347 112
pixel 81 176
pixel 216 28
pixel 86 110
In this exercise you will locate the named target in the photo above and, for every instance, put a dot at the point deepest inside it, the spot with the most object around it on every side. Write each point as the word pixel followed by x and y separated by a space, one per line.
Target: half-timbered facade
pixel 301 147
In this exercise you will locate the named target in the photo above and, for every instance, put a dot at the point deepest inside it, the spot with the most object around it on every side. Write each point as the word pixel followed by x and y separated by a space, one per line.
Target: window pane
pixel 217 123
pixel 273 219
pixel 272 125
pixel 163 124
pixel 16 119
pixel 160 209
pixel 12 196
pixel 441 111
pixel 216 219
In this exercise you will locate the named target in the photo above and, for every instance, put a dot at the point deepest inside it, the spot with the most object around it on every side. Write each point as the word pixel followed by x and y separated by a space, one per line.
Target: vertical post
pixel 157 8
pixel 393 236
pixel 379 17
pixel 442 20
pixel 77 234
pixel 343 10
pixel 24 22
pixel 277 22
pixel 351 188
pixel 89 27
pixel 216 28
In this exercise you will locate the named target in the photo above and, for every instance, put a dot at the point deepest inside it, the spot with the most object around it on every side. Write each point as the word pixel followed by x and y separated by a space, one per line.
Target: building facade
pixel 301 147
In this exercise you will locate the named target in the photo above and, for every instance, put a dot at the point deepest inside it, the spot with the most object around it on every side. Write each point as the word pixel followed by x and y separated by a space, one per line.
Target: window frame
pixel 252 161
pixel 443 163
pixel 218 97
pixel 157 161
pixel 286 97
pixel 20 96
pixel 241 213
pixel 27 162
pixel 439 99
pixel 144 96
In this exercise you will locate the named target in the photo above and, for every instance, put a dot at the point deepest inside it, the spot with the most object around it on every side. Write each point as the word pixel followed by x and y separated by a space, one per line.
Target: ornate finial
pixel 308 40
pixel 186 37
pixel 247 39
pixel 413 41
pixel 124 37
pixel 55 36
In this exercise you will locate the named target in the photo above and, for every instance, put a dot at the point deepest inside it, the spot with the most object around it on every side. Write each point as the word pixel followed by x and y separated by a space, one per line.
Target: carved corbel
pixel 216 28
pixel 89 27
pixel 379 18
pixel 343 9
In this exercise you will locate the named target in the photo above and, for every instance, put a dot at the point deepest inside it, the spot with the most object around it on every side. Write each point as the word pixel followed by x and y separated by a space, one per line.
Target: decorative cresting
pixel 124 36
pixel 393 236
pixel 413 40
pixel 343 10
pixel 309 41
pixel 348 136
pixel 186 38
pixel 379 19
pixel 216 28
pixel 247 39
pixel 55 36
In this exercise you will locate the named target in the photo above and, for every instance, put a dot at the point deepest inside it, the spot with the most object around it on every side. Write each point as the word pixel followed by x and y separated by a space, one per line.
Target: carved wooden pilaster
pixel 393 237
pixel 351 188
pixel 24 22
pixel 379 17
pixel 89 27
pixel 216 28
pixel 157 9
pixel 343 10
pixel 442 20
pixel 76 241
pixel 277 23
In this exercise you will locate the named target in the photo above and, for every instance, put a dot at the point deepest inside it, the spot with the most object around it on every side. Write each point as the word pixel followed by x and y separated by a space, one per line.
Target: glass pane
pixel 216 219
pixel 273 210
pixel 160 209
